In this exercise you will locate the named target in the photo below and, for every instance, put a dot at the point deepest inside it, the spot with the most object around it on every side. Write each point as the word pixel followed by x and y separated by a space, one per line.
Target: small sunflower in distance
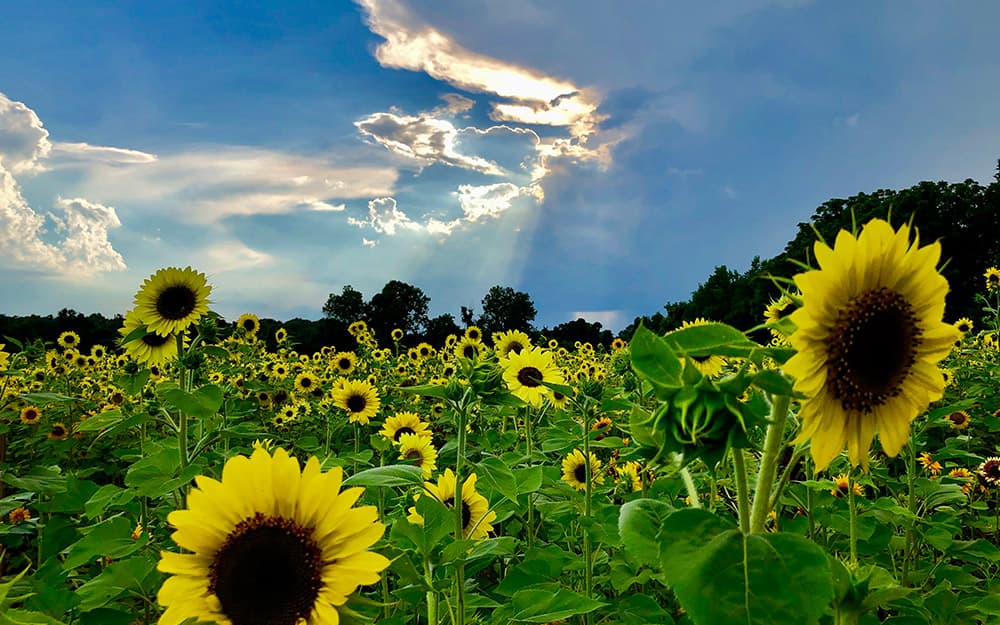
pixel 419 449
pixel 958 420
pixel 30 415
pixel 396 334
pixel 269 545
pixel 964 325
pixel 69 339
pixel 477 518
pixel 868 339
pixel 574 470
pixel 468 348
pixel 345 362
pixel 404 423
pixel 842 482
pixel 249 324
pixel 992 276
pixel 989 471
pixel 358 398
pixel 172 299
pixel 524 373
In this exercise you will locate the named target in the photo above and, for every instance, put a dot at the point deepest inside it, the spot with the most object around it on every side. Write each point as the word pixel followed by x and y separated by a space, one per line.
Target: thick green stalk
pixel 742 494
pixel 911 505
pixel 531 500
pixel 852 504
pixel 691 489
pixel 588 555
pixel 769 463
pixel 463 415
pixel 432 598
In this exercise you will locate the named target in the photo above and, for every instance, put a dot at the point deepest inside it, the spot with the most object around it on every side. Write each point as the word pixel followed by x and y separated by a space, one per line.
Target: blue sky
pixel 603 157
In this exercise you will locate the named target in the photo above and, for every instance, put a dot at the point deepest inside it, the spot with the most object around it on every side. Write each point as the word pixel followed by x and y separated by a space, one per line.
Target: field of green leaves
pixel 190 474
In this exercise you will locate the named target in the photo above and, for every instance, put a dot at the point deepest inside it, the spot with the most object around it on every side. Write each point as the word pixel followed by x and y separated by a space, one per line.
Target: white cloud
pixel 486 200
pixel 457 103
pixel 423 138
pixel 24 142
pixel 230 256
pixel 384 216
pixel 368 242
pixel 100 153
pixel 77 244
pixel 609 319
pixel 211 183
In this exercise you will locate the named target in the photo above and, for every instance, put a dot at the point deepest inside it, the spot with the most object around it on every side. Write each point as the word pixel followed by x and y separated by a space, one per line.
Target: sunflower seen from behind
pixel 868 337
pixel 172 299
pixel 269 545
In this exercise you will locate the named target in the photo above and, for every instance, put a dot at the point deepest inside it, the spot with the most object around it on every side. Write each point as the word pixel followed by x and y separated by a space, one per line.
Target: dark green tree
pixel 506 309
pixel 438 329
pixel 579 330
pixel 398 305
pixel 347 307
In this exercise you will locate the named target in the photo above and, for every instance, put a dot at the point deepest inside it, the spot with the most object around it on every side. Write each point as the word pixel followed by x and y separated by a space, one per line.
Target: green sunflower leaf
pixel 654 359
pixel 533 605
pixel 203 402
pixel 391 475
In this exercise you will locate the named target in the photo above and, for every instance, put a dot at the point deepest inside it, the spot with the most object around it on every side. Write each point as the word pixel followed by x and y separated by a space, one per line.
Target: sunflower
pixel 98 352
pixel 172 299
pixel 404 423
pixel 306 382
pixel 842 482
pixel 30 415
pixel 280 335
pixel 468 348
pixel 477 518
pixel 248 323
pixel 510 342
pixel 617 344
pixel 419 448
pixel 958 420
pixel 58 432
pixel 345 362
pixel 989 471
pixel 425 350
pixel 357 328
pixel 630 473
pixel 869 336
pixel 524 373
pixel 473 333
pixel 19 514
pixel 69 339
pixel 964 325
pixel 358 398
pixel 396 335
pixel 574 470
pixel 269 545
pixel 992 276
pixel 151 348
pixel 710 364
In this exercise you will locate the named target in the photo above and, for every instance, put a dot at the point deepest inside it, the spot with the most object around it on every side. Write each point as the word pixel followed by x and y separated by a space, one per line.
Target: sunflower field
pixel 845 471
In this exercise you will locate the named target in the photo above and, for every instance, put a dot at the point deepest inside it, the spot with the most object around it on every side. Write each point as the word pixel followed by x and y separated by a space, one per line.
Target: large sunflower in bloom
pixel 172 299
pixel 270 545
pixel 574 470
pixel 868 339
pixel 403 423
pixel 358 398
pixel 525 371
pixel 477 518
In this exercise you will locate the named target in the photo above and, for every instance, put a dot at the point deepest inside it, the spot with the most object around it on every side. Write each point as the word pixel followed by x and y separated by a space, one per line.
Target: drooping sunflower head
pixel 418 449
pixel 172 299
pixel 574 470
pixel 524 373
pixel 270 545
pixel 358 398
pixel 869 337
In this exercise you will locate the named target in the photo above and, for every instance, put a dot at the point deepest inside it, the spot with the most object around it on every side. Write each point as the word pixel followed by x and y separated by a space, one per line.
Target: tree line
pixel 964 216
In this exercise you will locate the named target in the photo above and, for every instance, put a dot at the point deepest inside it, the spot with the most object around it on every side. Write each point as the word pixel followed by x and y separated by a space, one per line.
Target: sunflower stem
pixel 182 418
pixel 432 598
pixel 588 555
pixel 692 490
pixel 742 490
pixel 769 463
pixel 852 505
pixel 911 505
pixel 463 417
pixel 531 500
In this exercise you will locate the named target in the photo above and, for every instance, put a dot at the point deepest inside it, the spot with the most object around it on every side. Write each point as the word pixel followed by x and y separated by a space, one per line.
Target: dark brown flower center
pixel 58 431
pixel 466 511
pixel 991 470
pixel 871 349
pixel 529 376
pixel 268 572
pixel 305 382
pixel 515 347
pixel 344 363
pixel 356 403
pixel 399 433
pixel 470 351
pixel 155 340
pixel 176 302
pixel 580 473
